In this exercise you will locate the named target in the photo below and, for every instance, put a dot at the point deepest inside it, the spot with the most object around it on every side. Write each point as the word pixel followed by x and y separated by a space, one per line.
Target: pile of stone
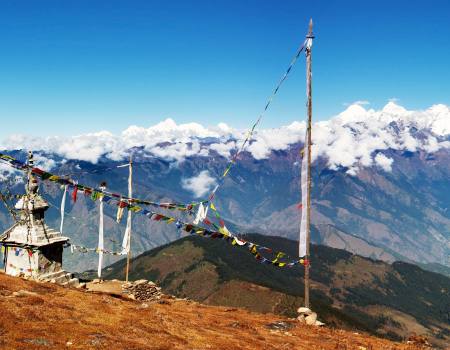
pixel 142 290
pixel 306 316
pixel 418 340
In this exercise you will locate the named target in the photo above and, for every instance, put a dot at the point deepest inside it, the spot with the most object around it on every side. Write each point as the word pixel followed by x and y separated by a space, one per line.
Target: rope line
pixel 252 129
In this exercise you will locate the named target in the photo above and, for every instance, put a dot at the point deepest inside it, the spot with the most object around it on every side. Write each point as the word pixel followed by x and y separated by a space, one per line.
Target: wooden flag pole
pixel 130 195
pixel 308 207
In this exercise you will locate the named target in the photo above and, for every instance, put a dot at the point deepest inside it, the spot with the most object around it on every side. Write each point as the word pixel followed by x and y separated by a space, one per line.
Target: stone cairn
pixel 306 316
pixel 142 290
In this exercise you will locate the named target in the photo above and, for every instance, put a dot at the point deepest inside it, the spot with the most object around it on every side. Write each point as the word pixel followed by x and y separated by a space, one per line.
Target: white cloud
pixel 9 173
pixel 384 162
pixel 268 140
pixel 43 162
pixel 199 185
pixel 352 139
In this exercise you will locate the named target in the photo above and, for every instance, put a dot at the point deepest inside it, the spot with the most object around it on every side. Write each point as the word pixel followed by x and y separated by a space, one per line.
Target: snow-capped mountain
pixel 381 178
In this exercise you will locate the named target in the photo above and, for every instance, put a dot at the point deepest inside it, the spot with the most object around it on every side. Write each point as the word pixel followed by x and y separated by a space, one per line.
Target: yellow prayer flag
pixel 213 207
pixel 226 172
pixel 224 231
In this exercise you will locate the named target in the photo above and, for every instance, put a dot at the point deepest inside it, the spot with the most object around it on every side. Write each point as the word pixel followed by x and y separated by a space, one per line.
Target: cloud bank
pixel 353 139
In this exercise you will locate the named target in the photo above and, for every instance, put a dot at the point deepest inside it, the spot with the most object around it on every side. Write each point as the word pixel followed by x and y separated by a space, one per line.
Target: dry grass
pixel 59 318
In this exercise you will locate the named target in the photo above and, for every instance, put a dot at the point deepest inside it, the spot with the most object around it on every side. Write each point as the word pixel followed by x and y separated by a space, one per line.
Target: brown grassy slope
pixel 59 318
pixel 347 291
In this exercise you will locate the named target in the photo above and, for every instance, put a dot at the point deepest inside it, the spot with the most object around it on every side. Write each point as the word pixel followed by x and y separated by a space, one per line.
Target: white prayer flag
pixel 305 189
pixel 100 240
pixel 201 214
pixel 127 236
pixel 63 207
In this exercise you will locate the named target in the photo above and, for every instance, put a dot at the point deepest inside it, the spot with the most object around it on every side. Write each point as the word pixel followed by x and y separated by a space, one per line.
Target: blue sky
pixel 70 67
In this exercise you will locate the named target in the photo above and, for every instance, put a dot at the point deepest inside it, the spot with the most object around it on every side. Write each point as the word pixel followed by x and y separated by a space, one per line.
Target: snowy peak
pixel 394 110
pixel 353 139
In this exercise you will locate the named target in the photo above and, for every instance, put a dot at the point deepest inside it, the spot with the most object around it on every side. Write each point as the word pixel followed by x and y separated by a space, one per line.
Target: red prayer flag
pixel 207 222
pixel 74 194
pixel 37 171
pixel 158 217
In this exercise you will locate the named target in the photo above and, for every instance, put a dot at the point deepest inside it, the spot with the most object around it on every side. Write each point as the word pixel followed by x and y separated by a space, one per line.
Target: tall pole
pixel 130 194
pixel 309 39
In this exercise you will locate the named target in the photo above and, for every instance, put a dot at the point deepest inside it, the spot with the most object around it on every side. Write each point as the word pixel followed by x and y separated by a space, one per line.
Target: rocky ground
pixel 47 316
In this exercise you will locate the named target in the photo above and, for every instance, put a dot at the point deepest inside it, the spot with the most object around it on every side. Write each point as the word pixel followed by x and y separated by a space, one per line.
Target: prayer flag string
pixel 107 197
pixel 94 192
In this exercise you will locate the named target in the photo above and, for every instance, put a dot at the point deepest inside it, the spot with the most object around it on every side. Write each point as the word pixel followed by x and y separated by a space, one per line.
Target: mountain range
pixel 380 181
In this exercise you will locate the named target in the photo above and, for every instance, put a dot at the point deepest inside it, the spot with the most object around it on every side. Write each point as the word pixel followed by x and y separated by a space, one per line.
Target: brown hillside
pixel 51 317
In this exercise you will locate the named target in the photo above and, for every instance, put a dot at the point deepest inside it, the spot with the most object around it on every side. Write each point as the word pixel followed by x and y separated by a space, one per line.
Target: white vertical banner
pixel 63 207
pixel 127 237
pixel 100 240
pixel 201 214
pixel 304 206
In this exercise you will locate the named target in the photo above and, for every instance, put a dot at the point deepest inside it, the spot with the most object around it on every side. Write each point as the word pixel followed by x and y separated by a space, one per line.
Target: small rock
pixel 24 293
pixel 301 318
pixel 311 319
pixel 81 286
pixel 38 341
pixel 280 325
pixel 138 282
pixel 304 310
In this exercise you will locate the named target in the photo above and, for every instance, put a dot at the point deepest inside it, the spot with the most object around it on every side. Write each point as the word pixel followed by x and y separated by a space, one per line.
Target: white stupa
pixel 32 249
